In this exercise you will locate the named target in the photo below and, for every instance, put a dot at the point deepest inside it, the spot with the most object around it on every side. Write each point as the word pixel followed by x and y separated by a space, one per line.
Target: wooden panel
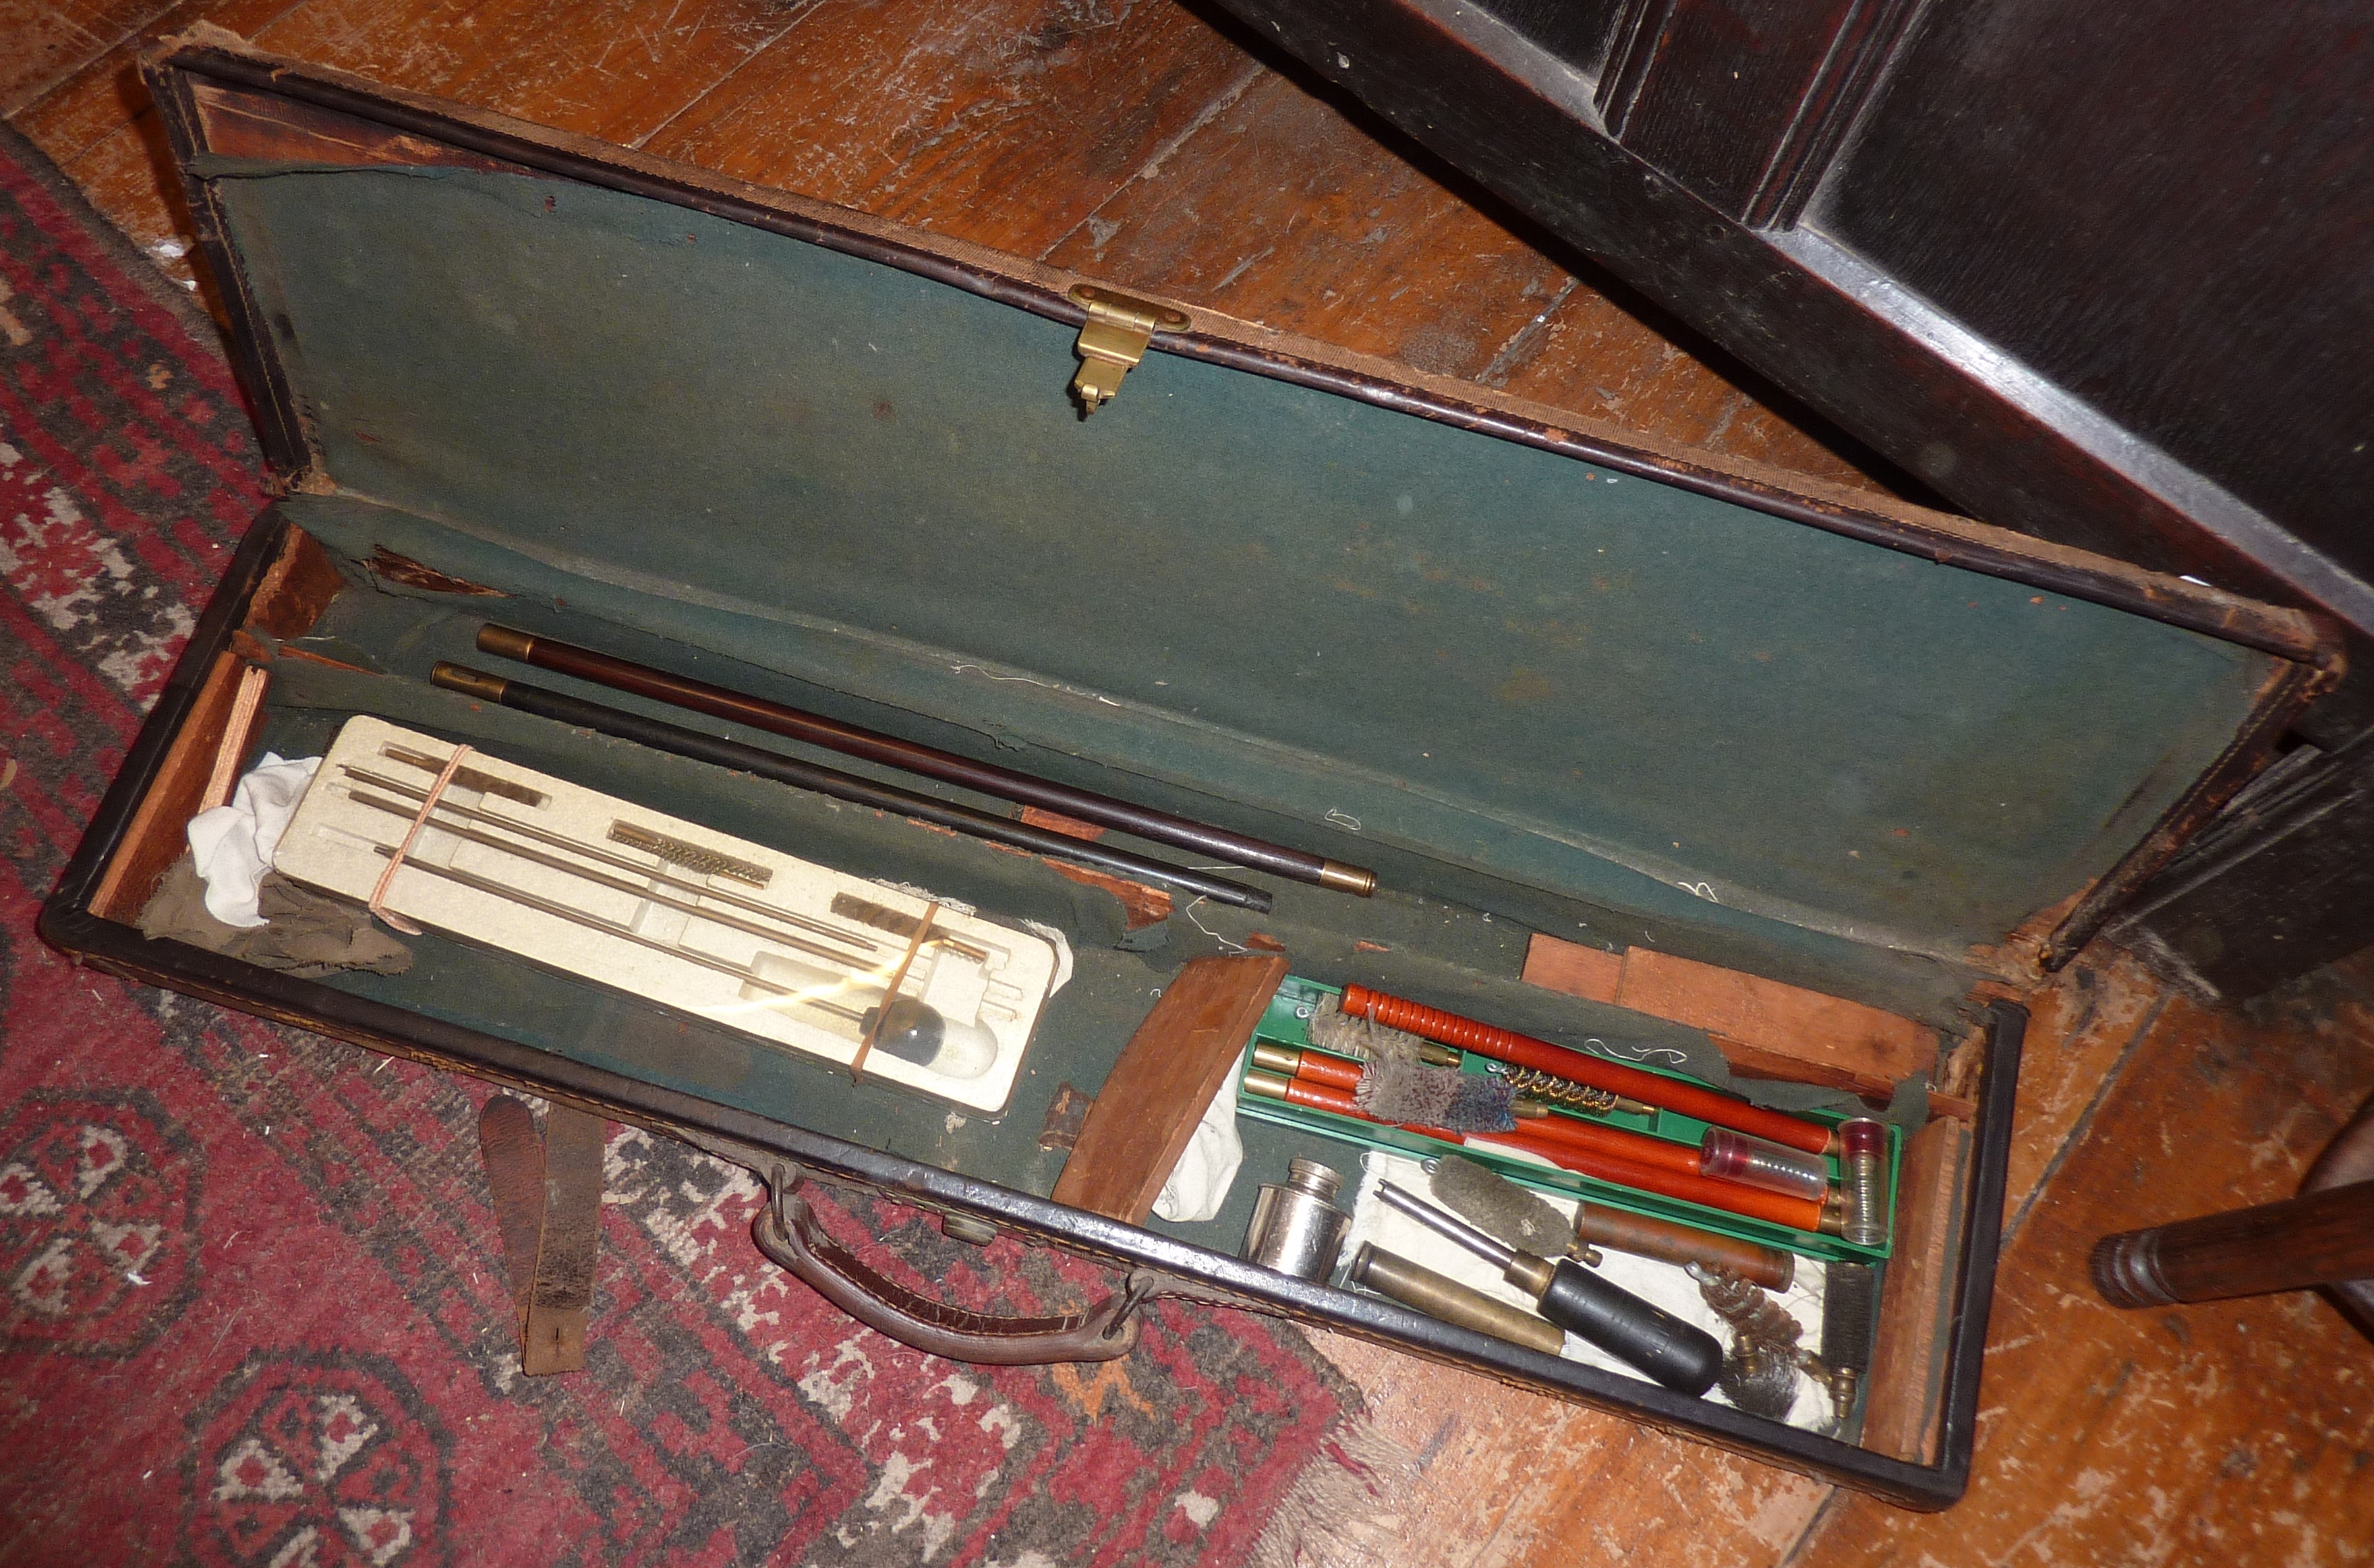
pixel 2188 252
pixel 1768 1030
pixel 298 587
pixel 241 125
pixel 1764 1029
pixel 1882 358
pixel 2282 884
pixel 1576 31
pixel 155 839
pixel 1179 1057
pixel 1722 87
pixel 1908 1364
pixel 1555 964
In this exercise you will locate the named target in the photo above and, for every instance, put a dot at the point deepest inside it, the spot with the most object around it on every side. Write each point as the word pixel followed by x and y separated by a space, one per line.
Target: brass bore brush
pixel 1557 1090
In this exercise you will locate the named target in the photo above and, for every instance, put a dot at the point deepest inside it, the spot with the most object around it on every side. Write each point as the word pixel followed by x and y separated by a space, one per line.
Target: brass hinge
pixel 1113 340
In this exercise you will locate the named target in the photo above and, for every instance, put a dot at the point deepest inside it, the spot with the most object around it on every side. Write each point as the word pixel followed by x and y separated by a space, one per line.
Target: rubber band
pixel 376 904
pixel 924 933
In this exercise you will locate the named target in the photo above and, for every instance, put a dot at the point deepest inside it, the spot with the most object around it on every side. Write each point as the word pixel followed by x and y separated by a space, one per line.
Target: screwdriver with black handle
pixel 1638 1333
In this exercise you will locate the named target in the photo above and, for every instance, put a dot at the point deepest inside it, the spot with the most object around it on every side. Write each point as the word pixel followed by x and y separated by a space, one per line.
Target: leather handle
pixel 787 1232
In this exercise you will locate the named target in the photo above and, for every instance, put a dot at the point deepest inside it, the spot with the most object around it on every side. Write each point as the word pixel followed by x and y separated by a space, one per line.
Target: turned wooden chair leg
pixel 2324 1238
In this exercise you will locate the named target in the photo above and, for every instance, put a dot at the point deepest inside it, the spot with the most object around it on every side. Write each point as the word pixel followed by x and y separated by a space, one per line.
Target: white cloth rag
pixel 1199 1183
pixel 232 845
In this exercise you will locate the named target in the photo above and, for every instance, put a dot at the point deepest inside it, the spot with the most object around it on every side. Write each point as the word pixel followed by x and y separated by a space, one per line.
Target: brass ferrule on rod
pixel 507 643
pixel 1267 1085
pixel 469 682
pixel 1357 880
pixel 1282 1059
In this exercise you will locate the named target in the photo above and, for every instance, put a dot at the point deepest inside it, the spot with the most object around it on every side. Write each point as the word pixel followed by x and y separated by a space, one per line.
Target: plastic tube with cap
pixel 1864 1143
pixel 1735 1157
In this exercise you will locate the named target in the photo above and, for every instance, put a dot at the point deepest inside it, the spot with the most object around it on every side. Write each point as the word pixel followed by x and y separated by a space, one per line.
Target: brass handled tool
pixel 723 753
pixel 1397 1278
pixel 986 778
pixel 1638 1333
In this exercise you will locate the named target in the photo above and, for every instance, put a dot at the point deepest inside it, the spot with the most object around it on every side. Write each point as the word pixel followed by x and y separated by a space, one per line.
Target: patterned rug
pixel 253 1308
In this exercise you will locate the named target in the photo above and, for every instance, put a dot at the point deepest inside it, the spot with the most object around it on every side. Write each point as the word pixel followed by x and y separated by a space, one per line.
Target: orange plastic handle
pixel 1508 1045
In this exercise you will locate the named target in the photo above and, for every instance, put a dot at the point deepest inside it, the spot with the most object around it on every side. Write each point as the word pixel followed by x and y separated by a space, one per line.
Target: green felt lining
pixel 1532 685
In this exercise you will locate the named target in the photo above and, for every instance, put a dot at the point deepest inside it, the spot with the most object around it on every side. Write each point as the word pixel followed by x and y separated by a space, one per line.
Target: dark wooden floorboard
pixel 1128 139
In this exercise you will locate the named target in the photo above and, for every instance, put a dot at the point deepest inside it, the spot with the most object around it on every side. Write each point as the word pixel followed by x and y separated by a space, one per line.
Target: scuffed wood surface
pixel 1508 1478
pixel 2231 1433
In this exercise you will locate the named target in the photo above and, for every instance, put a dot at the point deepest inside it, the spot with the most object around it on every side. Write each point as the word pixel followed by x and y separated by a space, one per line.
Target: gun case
pixel 1578 700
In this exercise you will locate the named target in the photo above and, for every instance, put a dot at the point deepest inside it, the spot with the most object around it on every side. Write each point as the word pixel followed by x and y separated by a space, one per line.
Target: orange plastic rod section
pixel 1616 1143
pixel 1508 1045
pixel 1340 1071
pixel 1797 1213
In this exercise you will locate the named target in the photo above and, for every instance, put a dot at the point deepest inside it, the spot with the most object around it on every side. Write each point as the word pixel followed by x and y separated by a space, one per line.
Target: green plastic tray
pixel 1297 999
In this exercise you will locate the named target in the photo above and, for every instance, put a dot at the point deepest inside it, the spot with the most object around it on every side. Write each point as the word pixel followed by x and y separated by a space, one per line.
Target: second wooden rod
pixel 1161 827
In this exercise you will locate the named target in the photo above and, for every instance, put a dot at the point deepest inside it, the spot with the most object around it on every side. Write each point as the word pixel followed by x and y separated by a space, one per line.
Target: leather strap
pixel 552 1338
pixel 788 1233
pixel 513 1151
pixel 547 1194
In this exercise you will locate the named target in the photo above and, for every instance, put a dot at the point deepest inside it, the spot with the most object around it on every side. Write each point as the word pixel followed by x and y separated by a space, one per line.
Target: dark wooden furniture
pixel 2100 273
pixel 2323 1238
pixel 2281 884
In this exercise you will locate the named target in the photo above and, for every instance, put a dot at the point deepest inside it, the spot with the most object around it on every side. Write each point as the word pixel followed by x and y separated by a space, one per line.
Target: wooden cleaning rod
pixel 718 751
pixel 986 778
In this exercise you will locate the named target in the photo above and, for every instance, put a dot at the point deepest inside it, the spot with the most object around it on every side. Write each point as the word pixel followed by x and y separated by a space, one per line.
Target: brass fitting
pixel 467 681
pixel 1357 880
pixel 504 642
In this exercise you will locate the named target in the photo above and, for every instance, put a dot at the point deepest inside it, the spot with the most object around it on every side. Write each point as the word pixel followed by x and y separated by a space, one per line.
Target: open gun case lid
pixel 1542 678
